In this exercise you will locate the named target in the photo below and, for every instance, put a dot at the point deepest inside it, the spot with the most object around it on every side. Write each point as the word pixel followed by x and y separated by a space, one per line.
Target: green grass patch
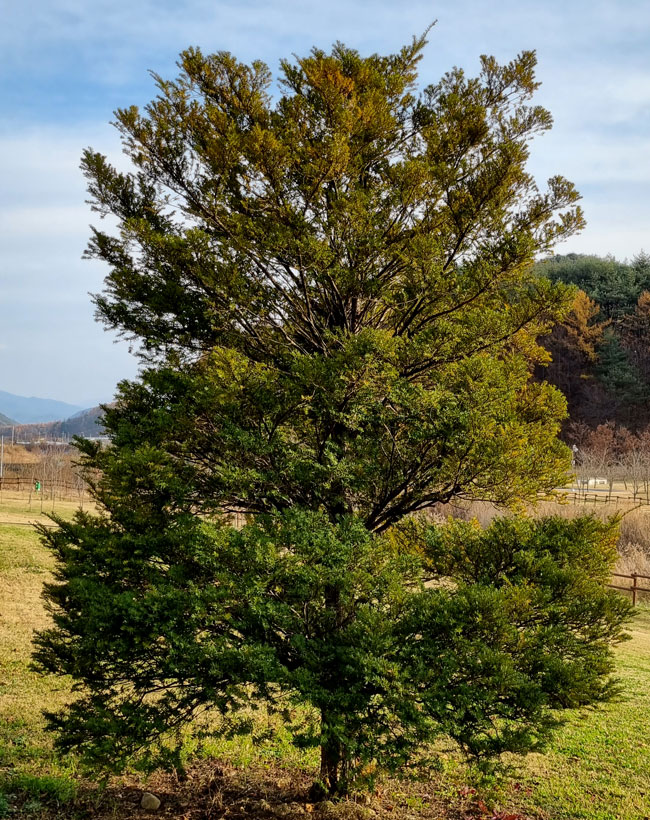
pixel 598 767
pixel 47 788
pixel 20 548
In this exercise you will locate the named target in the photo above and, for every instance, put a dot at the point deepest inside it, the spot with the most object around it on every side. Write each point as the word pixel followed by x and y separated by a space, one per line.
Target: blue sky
pixel 67 64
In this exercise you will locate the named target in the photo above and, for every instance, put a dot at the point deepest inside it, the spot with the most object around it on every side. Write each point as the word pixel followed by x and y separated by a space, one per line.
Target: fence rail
pixel 634 588
pixel 580 497
pixel 20 483
pixel 79 490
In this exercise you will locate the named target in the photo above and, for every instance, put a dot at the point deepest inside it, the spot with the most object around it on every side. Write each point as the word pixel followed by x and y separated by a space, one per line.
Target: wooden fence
pixel 580 497
pixel 634 588
pixel 238 521
pixel 22 483
pixel 42 485
pixel 78 490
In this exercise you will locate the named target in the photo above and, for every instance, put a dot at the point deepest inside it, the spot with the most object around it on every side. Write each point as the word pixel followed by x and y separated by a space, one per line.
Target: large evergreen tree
pixel 333 296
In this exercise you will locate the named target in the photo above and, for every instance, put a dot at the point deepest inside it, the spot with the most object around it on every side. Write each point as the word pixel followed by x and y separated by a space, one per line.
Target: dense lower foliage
pixel 394 640
pixel 334 298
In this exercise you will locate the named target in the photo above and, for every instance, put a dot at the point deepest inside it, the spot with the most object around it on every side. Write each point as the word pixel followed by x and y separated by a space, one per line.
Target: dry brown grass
pixel 17 454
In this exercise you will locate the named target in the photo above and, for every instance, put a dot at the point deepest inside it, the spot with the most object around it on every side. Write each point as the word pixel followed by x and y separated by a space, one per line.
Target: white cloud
pixel 46 316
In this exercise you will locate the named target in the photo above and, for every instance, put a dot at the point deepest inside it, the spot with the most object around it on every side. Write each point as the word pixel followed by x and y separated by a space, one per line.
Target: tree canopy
pixel 332 290
pixel 351 264
pixel 615 286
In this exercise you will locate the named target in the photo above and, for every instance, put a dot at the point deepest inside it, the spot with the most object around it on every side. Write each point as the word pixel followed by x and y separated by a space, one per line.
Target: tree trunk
pixel 333 765
pixel 330 748
pixel 330 761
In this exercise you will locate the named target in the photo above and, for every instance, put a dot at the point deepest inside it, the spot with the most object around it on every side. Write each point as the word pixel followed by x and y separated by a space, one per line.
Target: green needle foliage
pixel 333 296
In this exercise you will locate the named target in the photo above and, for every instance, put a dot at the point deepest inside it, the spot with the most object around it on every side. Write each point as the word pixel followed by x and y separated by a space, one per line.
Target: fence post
pixel 634 589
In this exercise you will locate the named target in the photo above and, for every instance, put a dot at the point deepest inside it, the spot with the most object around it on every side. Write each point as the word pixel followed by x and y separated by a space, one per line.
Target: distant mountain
pixel 84 424
pixel 34 410
pixel 5 419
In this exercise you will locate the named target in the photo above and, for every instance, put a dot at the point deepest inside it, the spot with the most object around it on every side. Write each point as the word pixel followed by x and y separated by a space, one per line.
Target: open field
pixel 23 509
pixel 598 767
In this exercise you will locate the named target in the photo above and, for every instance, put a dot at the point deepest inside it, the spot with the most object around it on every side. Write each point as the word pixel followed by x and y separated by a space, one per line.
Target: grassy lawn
pixel 598 767
pixel 599 764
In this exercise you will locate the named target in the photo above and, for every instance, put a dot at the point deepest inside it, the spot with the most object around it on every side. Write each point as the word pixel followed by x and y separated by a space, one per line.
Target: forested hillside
pixel 87 423
pixel 601 352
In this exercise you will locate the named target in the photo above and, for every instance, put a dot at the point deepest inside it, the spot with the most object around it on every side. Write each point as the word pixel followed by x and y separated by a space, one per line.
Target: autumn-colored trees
pixel 601 351
pixel 573 345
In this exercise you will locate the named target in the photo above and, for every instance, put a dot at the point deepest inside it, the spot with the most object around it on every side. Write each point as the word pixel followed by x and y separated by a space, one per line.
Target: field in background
pixel 598 768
